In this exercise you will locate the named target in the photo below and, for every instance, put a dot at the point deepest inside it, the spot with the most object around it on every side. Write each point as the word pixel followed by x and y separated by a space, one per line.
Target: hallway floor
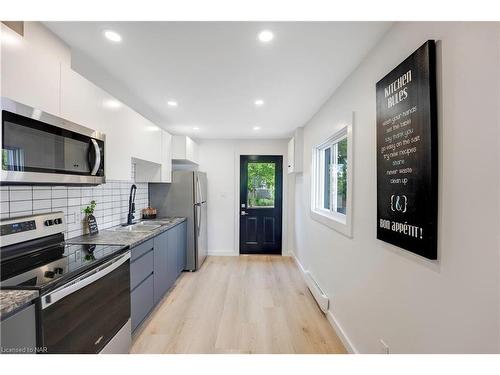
pixel 245 304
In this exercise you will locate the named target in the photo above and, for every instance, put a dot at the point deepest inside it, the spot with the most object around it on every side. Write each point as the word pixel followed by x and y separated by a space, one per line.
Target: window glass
pixel 341 166
pixel 330 173
pixel 331 183
pixel 327 177
pixel 261 185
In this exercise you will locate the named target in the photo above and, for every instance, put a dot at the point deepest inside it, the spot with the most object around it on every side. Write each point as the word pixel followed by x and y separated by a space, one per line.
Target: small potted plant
pixel 90 218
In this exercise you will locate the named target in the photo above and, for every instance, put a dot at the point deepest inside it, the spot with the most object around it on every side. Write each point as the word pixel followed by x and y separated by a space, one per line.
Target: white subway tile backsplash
pixel 21 206
pixel 42 194
pixel 42 204
pixel 20 187
pixel 74 201
pixel 21 213
pixel 4 196
pixel 59 193
pixel 74 193
pixel 111 199
pixel 21 195
pixel 86 192
pixel 60 202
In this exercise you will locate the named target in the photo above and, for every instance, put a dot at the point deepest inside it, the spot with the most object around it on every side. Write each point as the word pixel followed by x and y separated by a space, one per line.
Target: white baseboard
pixel 329 315
pixel 341 333
pixel 223 254
pixel 230 253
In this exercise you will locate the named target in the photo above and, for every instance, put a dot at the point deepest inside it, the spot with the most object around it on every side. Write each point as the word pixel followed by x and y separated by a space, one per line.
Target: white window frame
pixel 329 217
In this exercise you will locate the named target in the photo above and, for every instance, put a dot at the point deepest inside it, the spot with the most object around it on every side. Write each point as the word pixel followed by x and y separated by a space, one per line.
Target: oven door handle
pixel 83 281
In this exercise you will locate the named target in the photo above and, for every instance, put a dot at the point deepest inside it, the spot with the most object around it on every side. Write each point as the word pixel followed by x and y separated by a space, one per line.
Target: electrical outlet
pixel 70 218
pixel 384 347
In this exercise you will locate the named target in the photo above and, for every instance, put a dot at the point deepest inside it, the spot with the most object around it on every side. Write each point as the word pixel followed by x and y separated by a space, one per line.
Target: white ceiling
pixel 216 70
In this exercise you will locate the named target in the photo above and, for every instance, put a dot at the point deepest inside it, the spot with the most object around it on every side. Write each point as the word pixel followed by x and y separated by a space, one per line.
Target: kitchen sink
pixel 143 226
pixel 152 222
pixel 139 227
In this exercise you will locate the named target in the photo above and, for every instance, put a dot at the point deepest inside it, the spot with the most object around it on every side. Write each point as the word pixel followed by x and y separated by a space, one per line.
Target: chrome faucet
pixel 131 205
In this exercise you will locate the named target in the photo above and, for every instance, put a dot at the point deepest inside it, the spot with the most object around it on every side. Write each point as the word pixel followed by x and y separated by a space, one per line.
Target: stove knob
pixel 48 223
pixel 59 270
pixel 58 221
pixel 49 274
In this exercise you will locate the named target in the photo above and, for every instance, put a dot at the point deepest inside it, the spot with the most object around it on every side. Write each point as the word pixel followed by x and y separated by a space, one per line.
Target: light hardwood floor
pixel 246 304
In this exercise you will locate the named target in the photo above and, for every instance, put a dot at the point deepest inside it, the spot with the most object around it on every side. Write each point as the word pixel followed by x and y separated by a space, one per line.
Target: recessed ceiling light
pixel 112 103
pixel 259 102
pixel 265 36
pixel 172 103
pixel 112 36
pixel 196 128
pixel 256 128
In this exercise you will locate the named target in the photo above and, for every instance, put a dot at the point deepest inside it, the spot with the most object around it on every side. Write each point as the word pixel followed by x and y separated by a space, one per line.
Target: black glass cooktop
pixel 49 266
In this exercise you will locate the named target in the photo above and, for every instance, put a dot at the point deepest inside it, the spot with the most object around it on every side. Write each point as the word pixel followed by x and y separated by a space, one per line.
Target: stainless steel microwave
pixel 40 148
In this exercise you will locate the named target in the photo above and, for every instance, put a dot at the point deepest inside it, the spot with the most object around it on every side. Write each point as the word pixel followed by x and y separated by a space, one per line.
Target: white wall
pixel 220 159
pixel 377 290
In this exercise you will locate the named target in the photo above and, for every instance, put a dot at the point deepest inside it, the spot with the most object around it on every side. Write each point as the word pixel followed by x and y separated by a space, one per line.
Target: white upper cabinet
pixel 295 152
pixel 29 77
pixel 166 151
pixel 88 105
pixel 128 134
pixel 143 137
pixel 81 101
pixel 184 150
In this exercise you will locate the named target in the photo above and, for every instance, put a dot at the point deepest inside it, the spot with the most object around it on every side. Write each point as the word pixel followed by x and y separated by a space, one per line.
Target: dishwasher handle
pixel 83 281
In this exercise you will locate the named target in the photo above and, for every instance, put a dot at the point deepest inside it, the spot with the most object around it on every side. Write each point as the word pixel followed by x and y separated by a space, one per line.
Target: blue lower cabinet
pixel 154 268
pixel 161 274
pixel 18 332
pixel 141 268
pixel 181 246
pixel 141 301
pixel 172 256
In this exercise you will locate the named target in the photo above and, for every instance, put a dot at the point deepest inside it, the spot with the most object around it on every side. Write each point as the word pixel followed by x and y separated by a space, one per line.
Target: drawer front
pixel 141 268
pixel 141 302
pixel 141 249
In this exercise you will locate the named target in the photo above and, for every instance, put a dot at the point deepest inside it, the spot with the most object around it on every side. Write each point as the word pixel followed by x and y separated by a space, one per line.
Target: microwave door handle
pixel 85 280
pixel 97 154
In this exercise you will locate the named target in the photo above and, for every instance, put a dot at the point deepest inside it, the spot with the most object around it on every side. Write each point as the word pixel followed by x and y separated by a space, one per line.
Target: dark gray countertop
pixel 12 300
pixel 112 237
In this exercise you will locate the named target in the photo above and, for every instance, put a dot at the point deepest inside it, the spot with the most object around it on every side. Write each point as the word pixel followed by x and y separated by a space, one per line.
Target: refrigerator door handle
pixel 198 188
pixel 198 219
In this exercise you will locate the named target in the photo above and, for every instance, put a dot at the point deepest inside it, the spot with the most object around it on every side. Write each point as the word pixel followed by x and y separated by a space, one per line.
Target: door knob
pixel 243 213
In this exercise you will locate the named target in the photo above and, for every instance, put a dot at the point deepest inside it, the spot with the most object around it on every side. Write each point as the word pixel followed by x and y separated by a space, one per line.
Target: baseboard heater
pixel 318 294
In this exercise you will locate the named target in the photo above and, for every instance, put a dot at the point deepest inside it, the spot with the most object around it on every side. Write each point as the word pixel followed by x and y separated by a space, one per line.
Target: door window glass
pixel 261 185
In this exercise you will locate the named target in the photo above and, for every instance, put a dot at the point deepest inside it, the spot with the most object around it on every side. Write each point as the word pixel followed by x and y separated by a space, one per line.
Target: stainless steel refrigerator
pixel 185 196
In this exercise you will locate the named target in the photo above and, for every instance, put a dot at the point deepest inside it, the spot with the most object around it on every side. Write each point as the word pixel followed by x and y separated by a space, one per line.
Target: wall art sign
pixel 92 223
pixel 407 168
